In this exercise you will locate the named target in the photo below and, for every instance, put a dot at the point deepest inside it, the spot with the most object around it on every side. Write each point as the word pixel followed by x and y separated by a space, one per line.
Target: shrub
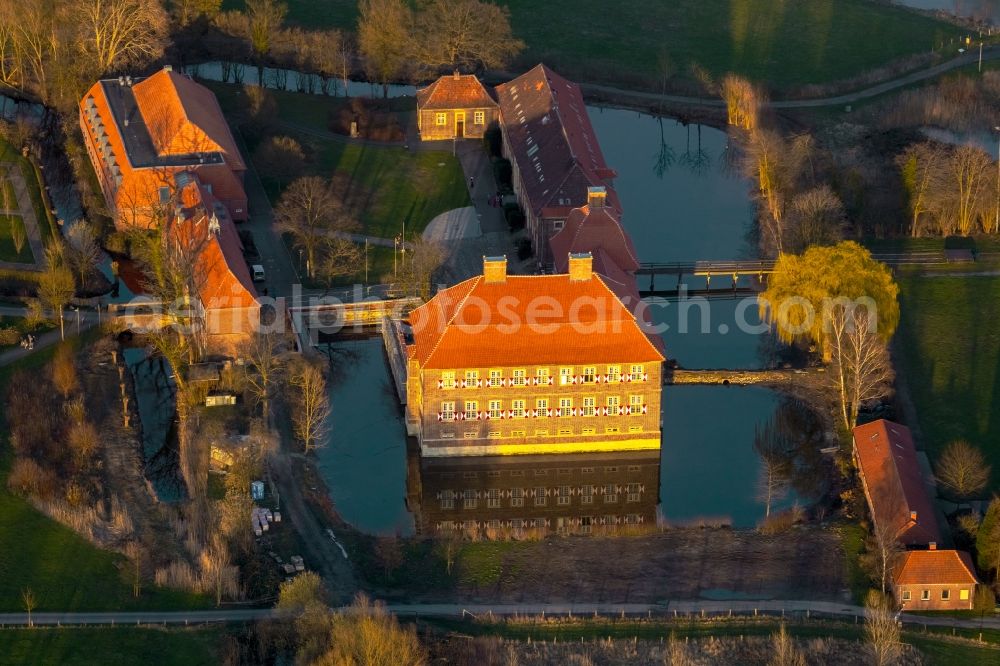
pixel 9 336
pixel 28 479
pixel 116 243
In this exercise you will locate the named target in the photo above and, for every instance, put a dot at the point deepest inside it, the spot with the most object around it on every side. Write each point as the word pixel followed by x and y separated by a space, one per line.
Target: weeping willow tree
pixel 805 290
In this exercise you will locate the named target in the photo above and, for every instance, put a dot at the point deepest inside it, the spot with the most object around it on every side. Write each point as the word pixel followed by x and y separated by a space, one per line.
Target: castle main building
pixel 525 364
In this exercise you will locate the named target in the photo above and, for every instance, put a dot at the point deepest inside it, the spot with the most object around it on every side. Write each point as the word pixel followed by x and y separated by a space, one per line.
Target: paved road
pixel 47 339
pixel 970 58
pixel 666 609
pixel 27 212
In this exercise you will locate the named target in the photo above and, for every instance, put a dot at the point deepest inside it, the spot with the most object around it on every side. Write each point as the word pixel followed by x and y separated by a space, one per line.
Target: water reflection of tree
pixel 665 155
pixel 698 160
pixel 789 447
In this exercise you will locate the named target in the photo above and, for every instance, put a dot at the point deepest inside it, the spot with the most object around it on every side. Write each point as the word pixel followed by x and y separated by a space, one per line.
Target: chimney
pixel 168 68
pixel 596 196
pixel 932 545
pixel 456 75
pixel 913 516
pixel 581 266
pixel 495 269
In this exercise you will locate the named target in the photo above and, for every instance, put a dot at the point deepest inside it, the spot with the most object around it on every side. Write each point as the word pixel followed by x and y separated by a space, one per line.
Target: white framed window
pixel 558 225
pixel 479 117
pixel 517 409
pixel 632 492
pixel 589 431
pixel 945 595
pixel 540 498
pixel 614 373
pixel 493 498
pixel 565 407
pixel 636 371
pixel 906 595
pixel 925 595
pixel 448 411
pixel 610 493
pixel 496 377
pixel 471 410
pixel 441 119
pixel 565 376
pixel 494 434
pixel 635 402
pixel 587 494
pixel 635 428
pixel 542 432
pixel 519 377
pixel 589 406
pixel 589 375
pixel 542 375
pixel 563 497
pixel 542 405
pixel 447 499
pixel 613 402
pixel 565 431
pixel 469 500
pixel 517 496
pixel 496 409
pixel 470 434
pixel 471 377
pixel 448 379
pixel 518 433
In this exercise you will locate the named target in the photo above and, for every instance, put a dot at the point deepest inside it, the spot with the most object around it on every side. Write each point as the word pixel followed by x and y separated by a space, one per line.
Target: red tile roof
pixel 892 478
pixel 935 567
pixel 589 230
pixel 184 117
pixel 455 92
pixel 222 275
pixel 527 320
pixel 552 141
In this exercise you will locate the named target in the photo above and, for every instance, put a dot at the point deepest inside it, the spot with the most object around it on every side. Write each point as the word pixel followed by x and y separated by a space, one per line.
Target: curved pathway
pixel 970 58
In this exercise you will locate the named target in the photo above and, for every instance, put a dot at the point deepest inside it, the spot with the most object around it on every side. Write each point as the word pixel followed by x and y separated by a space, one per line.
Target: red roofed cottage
pixel 893 485
pixel 454 107
pixel 507 364
pixel 935 580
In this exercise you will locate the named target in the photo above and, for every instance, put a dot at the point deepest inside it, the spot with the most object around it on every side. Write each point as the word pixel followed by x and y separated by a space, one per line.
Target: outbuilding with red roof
pixel 455 106
pixel 935 580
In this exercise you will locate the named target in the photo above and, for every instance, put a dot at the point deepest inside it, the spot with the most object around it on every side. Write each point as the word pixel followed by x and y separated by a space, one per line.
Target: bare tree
pixel 118 34
pixel 217 567
pixel 389 552
pixel 743 102
pixel 815 217
pixel 384 38
pixel 882 629
pixel 134 552
pixel 307 210
pixel 263 369
pixel 311 407
pixel 339 257
pixel 265 19
pixel 465 34
pixel 784 651
pixel 30 603
pixel 82 250
pixel 962 469
pixel 882 551
pixel 970 169
pixel 368 633
pixel 860 366
pixel 283 156
pixel 776 467
pixel 920 166
pixel 64 370
pixel 448 546
pixel 55 289
pixel 417 267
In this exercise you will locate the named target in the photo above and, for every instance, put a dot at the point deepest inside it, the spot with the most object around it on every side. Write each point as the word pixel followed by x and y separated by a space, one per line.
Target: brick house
pixel 140 135
pixel 935 580
pixel 516 496
pixel 893 484
pixel 554 153
pixel 531 364
pixel 456 106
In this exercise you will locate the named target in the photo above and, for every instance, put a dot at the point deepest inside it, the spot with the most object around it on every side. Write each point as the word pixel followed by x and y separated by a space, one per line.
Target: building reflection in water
pixel 500 497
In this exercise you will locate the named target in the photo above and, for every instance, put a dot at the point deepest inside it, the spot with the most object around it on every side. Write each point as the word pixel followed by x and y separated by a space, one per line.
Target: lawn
pixel 111 646
pixel 782 43
pixel 45 222
pixel 63 570
pixel 948 346
pixel 8 252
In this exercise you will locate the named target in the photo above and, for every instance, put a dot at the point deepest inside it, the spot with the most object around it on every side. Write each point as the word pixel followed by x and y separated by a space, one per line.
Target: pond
pixel 682 202
pixel 155 395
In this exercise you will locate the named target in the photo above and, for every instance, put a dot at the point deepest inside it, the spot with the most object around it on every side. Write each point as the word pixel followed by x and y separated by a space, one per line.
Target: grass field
pixel 7 250
pixel 45 223
pixel 949 347
pixel 782 43
pixel 111 646
pixel 64 571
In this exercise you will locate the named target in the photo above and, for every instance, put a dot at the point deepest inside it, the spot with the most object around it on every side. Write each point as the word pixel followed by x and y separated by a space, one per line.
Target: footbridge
pixel 326 319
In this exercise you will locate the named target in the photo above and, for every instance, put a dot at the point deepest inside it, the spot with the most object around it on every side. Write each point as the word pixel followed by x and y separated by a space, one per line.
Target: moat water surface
pixel 682 202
